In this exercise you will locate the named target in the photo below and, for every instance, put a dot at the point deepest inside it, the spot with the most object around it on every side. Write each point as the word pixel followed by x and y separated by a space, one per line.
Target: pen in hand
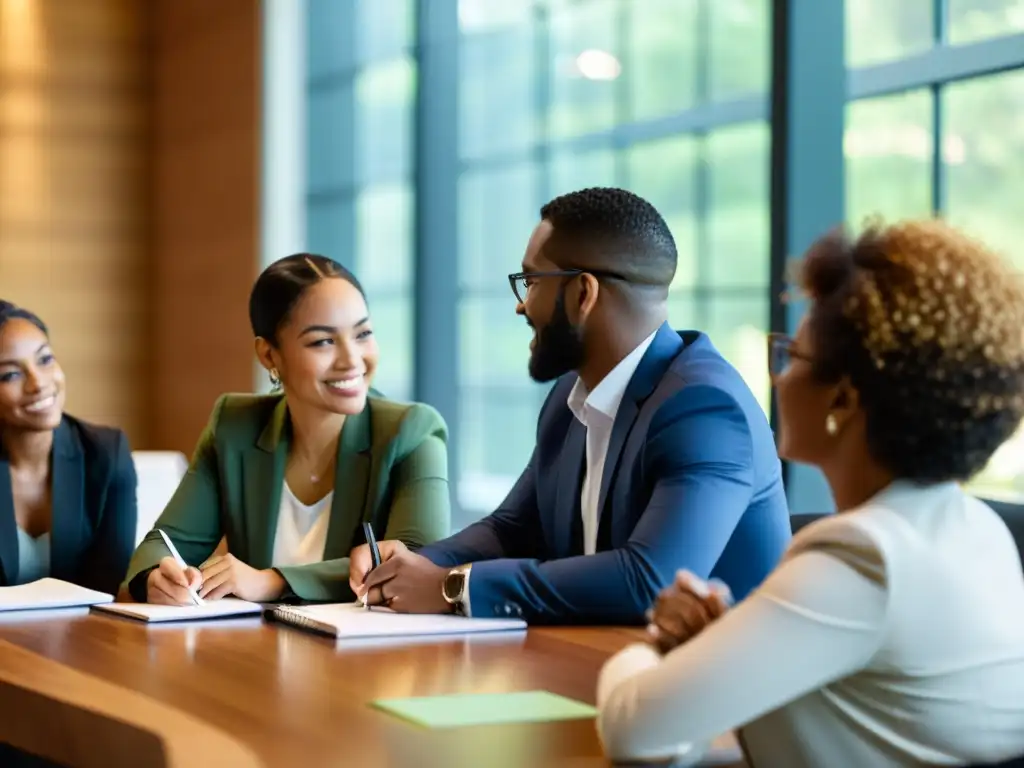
pixel 196 599
pixel 371 542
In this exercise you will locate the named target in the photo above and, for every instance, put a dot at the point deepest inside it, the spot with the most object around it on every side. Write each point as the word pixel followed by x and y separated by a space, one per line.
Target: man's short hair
pixel 613 230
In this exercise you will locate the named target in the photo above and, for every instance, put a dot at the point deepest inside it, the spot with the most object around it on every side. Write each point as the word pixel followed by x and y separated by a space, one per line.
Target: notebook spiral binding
pixel 292 616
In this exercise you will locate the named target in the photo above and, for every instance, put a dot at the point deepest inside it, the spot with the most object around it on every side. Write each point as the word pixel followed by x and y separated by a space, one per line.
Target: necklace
pixel 315 477
pixel 318 467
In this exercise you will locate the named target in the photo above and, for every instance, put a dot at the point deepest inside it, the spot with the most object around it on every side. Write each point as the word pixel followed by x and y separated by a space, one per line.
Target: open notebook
pixel 49 593
pixel 211 609
pixel 352 620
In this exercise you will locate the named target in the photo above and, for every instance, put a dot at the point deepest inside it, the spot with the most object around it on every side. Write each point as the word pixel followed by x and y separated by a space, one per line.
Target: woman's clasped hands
pixel 684 608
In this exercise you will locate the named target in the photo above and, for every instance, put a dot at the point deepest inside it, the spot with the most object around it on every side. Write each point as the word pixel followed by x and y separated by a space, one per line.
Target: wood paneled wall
pixel 73 194
pixel 206 152
pixel 129 200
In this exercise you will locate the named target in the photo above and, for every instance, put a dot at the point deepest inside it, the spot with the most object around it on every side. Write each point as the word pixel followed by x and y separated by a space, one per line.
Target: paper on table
pixel 49 593
pixel 461 710
pixel 211 609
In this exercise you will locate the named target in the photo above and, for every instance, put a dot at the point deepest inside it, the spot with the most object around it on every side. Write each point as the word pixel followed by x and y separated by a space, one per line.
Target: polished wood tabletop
pixel 294 698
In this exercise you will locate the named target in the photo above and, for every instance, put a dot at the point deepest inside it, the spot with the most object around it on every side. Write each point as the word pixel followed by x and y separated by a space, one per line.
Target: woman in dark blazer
pixel 289 478
pixel 67 488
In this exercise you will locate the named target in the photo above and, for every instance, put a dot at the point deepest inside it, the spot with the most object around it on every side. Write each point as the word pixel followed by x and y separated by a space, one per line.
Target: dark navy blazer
pixel 692 480
pixel 94 509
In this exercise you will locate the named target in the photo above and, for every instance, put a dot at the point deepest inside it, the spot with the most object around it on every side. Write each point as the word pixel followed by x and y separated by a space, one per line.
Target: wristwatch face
pixel 453 586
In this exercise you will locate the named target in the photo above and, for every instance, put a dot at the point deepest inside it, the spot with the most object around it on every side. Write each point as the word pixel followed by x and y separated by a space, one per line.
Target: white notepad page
pixel 49 593
pixel 211 609
pixel 352 620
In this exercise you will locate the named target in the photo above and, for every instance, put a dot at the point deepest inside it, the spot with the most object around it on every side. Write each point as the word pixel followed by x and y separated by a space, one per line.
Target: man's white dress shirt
pixel 596 411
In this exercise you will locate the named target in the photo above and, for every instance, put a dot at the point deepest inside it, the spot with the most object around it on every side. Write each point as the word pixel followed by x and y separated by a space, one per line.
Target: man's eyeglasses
pixel 520 281
pixel 781 353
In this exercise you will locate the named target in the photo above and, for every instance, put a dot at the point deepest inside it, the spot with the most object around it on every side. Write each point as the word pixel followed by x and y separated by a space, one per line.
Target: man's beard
pixel 559 347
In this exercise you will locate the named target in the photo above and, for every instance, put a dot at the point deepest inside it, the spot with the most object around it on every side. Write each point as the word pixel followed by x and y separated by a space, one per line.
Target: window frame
pixel 810 87
pixel 809 75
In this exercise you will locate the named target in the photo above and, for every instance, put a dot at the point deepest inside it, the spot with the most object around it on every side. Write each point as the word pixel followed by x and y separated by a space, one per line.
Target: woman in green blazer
pixel 288 478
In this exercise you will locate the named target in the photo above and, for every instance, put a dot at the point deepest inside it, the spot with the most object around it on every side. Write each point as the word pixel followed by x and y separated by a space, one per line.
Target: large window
pixel 361 98
pixel 938 126
pixel 437 129
pixel 667 98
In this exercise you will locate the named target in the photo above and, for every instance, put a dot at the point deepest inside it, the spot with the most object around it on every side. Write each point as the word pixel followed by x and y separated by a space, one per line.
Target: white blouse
pixel 891 635
pixel 301 530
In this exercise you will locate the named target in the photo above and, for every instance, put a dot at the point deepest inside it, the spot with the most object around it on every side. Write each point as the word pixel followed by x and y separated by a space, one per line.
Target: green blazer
pixel 391 470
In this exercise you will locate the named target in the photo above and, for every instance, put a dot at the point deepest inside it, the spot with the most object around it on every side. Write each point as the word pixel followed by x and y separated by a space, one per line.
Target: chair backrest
pixel 1013 516
pixel 796 522
pixel 159 474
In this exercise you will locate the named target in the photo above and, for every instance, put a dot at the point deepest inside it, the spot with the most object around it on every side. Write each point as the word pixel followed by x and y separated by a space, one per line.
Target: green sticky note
pixel 461 710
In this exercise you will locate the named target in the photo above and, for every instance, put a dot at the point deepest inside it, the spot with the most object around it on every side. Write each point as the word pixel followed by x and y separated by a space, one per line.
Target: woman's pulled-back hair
pixel 9 311
pixel 281 285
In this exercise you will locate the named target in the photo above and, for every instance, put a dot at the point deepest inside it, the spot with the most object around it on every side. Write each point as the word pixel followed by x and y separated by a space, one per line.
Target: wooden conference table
pixel 245 693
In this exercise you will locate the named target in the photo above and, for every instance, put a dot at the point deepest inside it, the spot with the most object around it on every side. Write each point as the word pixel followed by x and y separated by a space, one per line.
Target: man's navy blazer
pixel 691 481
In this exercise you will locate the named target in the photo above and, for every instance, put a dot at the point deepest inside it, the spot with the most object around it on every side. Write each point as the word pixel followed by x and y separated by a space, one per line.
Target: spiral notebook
pixel 353 621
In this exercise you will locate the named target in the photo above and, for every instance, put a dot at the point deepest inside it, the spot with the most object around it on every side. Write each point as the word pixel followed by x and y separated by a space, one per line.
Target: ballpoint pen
pixel 196 599
pixel 371 541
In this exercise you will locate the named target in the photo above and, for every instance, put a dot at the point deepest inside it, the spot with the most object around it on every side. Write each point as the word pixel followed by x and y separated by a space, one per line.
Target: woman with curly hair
pixel 892 634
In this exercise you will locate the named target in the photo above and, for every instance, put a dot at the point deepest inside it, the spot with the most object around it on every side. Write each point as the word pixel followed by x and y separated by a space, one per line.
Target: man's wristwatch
pixel 454 589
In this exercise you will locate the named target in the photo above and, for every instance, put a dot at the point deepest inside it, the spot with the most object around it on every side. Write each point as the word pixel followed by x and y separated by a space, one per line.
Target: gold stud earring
pixel 831 425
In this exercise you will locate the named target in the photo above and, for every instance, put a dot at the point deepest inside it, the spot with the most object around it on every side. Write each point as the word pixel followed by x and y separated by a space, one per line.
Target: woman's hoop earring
pixel 275 378
pixel 831 425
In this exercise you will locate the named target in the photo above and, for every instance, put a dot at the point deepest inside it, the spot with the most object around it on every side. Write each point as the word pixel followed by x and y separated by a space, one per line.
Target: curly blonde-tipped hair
pixel 928 324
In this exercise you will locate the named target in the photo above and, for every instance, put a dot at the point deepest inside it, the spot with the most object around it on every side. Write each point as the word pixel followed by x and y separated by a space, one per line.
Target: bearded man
pixel 652 456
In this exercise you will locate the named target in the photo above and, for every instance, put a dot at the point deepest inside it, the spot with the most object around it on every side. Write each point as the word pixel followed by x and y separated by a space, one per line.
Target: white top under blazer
pixel 301 534
pixel 889 636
